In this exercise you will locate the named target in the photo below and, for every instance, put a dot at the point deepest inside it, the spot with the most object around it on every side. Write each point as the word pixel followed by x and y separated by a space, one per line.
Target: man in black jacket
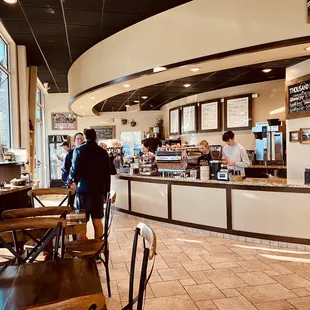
pixel 90 177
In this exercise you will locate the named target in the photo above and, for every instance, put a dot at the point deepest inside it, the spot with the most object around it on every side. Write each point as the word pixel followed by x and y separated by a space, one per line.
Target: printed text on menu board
pixel 238 112
pixel 189 119
pixel 174 121
pixel 299 97
pixel 209 117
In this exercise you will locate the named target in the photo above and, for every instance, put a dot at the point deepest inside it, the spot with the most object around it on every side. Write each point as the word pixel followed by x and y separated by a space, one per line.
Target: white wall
pixel 298 155
pixel 59 103
pixel 198 28
pixel 269 104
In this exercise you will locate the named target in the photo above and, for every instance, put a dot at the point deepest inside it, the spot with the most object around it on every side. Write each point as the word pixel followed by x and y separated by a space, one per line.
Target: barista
pixel 205 158
pixel 234 154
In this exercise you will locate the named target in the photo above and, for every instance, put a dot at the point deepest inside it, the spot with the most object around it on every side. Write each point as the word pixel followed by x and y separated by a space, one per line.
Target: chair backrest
pixel 34 194
pixel 108 218
pixel 53 227
pixel 149 251
pixel 33 212
pixel 88 302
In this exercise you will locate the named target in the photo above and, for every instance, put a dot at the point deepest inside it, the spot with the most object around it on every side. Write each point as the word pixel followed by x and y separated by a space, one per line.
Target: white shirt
pixel 238 155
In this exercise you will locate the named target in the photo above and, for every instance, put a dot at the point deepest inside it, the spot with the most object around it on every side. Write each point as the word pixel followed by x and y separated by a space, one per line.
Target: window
pixel 5 136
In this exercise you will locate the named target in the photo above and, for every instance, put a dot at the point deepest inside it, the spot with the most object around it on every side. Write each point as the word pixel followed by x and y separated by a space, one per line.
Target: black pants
pixel 92 205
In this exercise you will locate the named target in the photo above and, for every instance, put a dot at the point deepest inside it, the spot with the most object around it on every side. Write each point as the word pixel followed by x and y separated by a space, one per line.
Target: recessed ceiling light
pixel 267 70
pixel 307 48
pixel 10 1
pixel 196 69
pixel 83 113
pixel 144 97
pixel 159 69
pixel 187 85
pixel 137 101
pixel 126 85
pixel 93 98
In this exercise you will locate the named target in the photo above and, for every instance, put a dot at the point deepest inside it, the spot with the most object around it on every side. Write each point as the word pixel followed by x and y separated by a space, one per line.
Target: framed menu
pixel 210 116
pixel 104 132
pixel 189 118
pixel 174 121
pixel 238 112
pixel 298 97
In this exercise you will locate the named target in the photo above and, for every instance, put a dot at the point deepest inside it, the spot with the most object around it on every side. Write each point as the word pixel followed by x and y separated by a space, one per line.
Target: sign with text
pixel 298 97
pixel 104 132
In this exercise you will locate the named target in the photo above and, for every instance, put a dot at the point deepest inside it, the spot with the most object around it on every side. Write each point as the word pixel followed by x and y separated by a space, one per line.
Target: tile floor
pixel 195 271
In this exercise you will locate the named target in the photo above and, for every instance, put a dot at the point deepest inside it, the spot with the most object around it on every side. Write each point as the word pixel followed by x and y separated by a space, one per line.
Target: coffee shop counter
pixel 257 208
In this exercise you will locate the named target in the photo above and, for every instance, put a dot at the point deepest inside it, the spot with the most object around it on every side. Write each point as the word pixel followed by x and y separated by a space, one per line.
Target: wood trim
pixel 182 118
pixel 219 116
pixel 228 208
pixel 299 136
pixel 296 114
pixel 169 202
pixel 174 133
pixel 218 56
pixel 250 108
pixel 129 195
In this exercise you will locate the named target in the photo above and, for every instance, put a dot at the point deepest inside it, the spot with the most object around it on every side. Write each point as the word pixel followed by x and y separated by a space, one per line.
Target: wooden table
pixel 48 282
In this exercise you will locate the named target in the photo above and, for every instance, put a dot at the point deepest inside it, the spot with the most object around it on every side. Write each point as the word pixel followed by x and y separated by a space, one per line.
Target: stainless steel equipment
pixel 270 142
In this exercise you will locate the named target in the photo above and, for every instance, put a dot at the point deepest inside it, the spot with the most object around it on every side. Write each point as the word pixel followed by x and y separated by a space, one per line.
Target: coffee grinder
pixel 215 163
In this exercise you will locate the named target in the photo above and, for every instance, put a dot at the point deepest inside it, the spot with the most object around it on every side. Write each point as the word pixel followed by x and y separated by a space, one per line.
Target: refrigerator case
pixel 56 154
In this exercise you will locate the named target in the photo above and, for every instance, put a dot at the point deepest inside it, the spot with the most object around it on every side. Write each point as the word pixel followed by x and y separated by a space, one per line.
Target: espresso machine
pixel 270 142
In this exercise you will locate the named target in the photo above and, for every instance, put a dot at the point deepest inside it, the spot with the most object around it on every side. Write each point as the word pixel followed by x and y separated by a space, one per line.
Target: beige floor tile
pixel 217 248
pixel 174 249
pixel 174 264
pixel 173 274
pixel 123 290
pixel 221 258
pixel 275 305
pixel 267 292
pixel 300 303
pixel 181 302
pixel 194 257
pixel 227 282
pixel 206 305
pixel 118 274
pixel 237 269
pixel 292 281
pixel 198 265
pixel 280 268
pixel 203 292
pixel 219 272
pixel 231 292
pixel 234 303
pixel 256 278
pixel 190 281
pixel 199 277
pixel 253 265
pixel 271 272
pixel 175 257
pixel 169 288
pixel 225 265
pixel 113 303
pixel 301 292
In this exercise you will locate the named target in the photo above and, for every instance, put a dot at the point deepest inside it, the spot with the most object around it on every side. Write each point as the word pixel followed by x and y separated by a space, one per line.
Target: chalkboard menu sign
pixel 104 132
pixel 298 97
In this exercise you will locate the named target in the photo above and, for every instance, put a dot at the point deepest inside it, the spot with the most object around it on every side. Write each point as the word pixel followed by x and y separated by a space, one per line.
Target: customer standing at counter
pixel 205 158
pixel 234 154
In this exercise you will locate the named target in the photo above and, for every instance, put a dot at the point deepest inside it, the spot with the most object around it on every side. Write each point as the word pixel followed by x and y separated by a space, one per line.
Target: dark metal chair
pixel 53 226
pixel 94 247
pixel 149 253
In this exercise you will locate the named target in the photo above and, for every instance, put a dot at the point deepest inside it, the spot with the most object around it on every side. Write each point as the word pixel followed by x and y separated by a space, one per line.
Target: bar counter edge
pixel 277 212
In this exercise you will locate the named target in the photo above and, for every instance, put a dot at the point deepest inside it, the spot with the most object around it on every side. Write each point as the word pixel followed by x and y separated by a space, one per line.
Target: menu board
pixel 238 112
pixel 188 118
pixel 104 132
pixel 298 97
pixel 174 121
pixel 210 116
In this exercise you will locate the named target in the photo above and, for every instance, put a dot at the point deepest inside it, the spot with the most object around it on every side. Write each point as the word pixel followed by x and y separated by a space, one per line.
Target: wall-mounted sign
pixel 298 97
pixel 64 121
pixel 189 118
pixel 210 116
pixel 238 112
pixel 305 135
pixel 104 132
pixel 174 121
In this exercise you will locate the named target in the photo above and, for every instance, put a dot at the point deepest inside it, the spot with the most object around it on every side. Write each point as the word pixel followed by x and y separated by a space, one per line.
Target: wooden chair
pixel 35 193
pixel 92 247
pixel 37 212
pixel 53 226
pixel 88 302
pixel 149 253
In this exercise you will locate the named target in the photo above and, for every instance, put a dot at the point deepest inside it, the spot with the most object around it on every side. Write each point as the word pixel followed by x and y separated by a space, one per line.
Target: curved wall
pixel 196 29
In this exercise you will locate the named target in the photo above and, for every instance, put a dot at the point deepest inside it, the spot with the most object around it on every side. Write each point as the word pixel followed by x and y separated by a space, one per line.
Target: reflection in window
pixel 4 109
pixel 3 54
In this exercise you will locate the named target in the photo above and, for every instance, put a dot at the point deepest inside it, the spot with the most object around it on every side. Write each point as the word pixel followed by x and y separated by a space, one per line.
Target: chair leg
pixel 106 265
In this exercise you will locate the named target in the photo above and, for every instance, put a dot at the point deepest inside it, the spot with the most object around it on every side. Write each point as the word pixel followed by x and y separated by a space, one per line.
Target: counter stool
pixel 92 247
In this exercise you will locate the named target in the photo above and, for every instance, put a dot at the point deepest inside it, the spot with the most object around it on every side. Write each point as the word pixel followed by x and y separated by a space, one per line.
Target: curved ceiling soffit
pixel 159 76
